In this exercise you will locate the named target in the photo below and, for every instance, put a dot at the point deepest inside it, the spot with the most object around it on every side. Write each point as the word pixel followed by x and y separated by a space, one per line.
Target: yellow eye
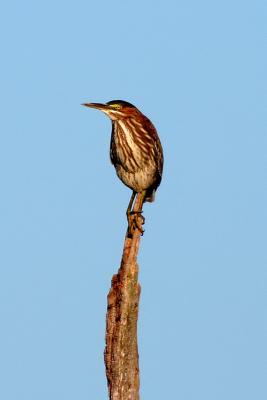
pixel 115 106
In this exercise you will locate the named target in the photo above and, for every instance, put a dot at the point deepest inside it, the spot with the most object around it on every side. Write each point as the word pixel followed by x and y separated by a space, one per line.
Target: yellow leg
pixel 143 194
pixel 139 219
pixel 130 203
pixel 129 213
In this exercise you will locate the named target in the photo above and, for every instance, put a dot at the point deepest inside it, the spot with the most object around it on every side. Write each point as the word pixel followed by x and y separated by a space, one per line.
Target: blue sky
pixel 197 70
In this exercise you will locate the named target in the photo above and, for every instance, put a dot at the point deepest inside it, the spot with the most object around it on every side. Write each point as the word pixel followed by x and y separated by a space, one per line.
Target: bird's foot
pixel 135 221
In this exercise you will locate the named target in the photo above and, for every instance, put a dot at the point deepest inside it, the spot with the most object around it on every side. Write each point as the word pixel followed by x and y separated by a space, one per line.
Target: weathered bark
pixel 121 352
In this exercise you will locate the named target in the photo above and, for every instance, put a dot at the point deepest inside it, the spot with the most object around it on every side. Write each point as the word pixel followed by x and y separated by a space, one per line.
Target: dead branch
pixel 121 352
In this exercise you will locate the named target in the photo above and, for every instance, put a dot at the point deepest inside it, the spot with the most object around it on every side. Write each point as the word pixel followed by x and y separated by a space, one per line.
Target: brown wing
pixel 157 148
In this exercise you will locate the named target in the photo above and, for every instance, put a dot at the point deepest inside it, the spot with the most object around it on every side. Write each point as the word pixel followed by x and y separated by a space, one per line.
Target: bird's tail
pixel 150 195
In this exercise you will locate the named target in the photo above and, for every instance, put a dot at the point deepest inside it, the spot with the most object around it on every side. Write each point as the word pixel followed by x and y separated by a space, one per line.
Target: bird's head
pixel 115 109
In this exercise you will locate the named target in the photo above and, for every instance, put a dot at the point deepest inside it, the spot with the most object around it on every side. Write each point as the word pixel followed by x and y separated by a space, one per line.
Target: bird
pixel 135 150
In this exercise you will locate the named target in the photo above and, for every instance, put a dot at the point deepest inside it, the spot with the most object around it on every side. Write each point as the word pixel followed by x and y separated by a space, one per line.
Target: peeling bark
pixel 121 351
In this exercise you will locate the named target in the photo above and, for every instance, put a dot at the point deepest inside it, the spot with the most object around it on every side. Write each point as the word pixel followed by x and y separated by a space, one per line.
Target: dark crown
pixel 122 102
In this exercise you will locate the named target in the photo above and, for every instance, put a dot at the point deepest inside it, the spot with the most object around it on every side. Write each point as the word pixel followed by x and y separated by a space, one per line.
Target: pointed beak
pixel 98 106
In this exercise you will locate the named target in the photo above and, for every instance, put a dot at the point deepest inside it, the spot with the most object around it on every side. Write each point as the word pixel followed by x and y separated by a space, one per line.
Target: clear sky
pixel 196 68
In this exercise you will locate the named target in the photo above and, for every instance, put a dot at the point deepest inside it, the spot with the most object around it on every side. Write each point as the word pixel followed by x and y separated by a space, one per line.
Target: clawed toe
pixel 135 221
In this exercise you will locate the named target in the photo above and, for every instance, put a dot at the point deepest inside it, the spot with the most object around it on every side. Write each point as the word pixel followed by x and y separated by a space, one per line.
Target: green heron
pixel 135 149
